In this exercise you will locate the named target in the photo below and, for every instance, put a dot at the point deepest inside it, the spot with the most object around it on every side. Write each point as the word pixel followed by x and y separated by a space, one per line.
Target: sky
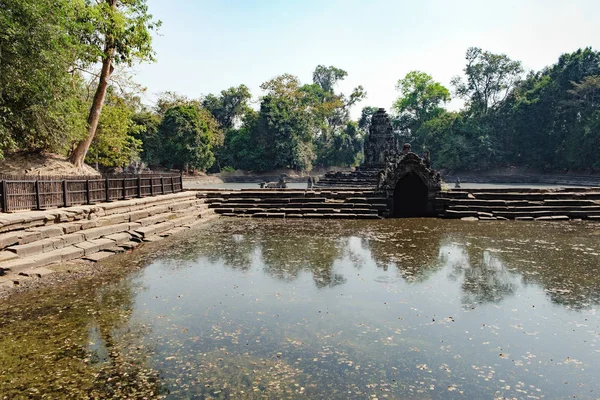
pixel 207 46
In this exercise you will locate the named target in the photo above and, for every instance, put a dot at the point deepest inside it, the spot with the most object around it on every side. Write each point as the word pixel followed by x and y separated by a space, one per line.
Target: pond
pixel 314 309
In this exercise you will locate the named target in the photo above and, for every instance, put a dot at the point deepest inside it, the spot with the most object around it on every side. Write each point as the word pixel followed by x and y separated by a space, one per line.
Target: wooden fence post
pixel 124 189
pixel 139 187
pixel 87 191
pixel 4 196
pixel 172 188
pixel 37 195
pixel 162 184
pixel 107 189
pixel 65 198
pixel 151 185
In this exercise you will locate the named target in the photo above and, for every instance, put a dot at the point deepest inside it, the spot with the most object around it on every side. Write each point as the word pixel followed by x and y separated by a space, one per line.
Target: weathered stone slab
pixel 9 239
pixel 112 220
pixel 72 238
pixel 95 233
pixel 29 249
pixel 101 255
pixel 6 255
pixel 155 219
pixel 49 231
pixel 38 272
pixel 119 238
pixel 129 245
pixel 71 253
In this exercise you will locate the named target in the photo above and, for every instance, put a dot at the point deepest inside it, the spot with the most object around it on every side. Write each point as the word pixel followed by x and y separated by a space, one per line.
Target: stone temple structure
pixel 404 178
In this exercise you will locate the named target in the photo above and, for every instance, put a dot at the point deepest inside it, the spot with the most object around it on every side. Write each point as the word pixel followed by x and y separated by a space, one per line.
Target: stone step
pixel 151 230
pixel 524 208
pixel 60 255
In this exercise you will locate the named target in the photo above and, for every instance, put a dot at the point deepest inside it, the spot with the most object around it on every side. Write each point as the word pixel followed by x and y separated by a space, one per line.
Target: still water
pixel 265 309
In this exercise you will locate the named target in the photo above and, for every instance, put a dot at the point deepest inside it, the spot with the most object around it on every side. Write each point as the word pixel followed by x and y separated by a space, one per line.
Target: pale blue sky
pixel 207 46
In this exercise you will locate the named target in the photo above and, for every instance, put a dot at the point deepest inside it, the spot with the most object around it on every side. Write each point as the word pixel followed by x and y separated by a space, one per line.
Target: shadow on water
pixel 411 308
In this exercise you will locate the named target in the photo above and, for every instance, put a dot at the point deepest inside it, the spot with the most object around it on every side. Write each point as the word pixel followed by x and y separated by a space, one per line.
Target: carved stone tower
pixel 381 142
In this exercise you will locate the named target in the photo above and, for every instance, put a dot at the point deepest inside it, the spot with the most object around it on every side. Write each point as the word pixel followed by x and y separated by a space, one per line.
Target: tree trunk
pixel 82 148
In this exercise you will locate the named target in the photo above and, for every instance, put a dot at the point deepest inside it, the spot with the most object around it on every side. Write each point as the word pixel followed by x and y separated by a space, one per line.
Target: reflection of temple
pixel 401 175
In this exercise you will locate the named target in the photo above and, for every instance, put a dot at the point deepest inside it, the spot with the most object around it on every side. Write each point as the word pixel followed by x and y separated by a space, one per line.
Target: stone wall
pixel 33 239
pixel 291 203
pixel 520 204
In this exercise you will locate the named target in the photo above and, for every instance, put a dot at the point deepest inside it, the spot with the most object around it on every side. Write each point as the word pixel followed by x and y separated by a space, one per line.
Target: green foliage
pixel 115 143
pixel 420 99
pixel 489 79
pixel 145 129
pixel 187 134
pixel 36 53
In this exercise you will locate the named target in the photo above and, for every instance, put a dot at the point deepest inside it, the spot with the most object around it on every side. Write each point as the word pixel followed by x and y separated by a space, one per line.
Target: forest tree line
pixel 64 88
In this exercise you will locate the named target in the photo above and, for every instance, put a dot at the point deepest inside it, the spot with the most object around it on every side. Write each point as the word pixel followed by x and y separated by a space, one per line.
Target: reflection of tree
pixel 45 345
pixel 485 278
pixel 411 246
pixel 552 256
pixel 561 258
pixel 285 257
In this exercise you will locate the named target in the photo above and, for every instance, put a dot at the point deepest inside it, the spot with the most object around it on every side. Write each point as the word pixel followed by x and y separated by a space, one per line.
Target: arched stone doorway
pixel 410 197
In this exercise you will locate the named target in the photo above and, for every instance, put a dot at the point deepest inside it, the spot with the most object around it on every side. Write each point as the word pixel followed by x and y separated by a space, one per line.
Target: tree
pixel 489 79
pixel 120 34
pixel 39 107
pixel 186 135
pixel 420 98
pixel 230 106
pixel 146 125
pixel 115 144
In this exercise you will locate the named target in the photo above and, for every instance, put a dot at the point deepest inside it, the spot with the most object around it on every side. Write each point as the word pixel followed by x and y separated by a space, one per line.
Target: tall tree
pixel 120 34
pixel 187 135
pixel 489 79
pixel 38 98
pixel 230 106
pixel 420 98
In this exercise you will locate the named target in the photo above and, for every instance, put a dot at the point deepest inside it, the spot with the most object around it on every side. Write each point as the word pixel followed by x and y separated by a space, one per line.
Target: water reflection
pixel 322 310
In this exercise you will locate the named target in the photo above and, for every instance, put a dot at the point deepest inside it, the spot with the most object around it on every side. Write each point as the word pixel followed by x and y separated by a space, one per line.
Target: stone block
pixel 7 256
pixel 88 247
pixel 71 253
pixel 156 219
pixel 18 264
pixel 38 272
pixel 119 238
pixel 95 233
pixel 29 237
pixel 49 231
pixel 101 255
pixel 72 238
pixel 137 215
pixel 9 239
pixel 29 249
pixel 129 245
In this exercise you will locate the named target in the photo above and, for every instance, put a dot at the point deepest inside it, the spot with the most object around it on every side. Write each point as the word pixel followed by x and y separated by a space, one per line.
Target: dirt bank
pixel 42 164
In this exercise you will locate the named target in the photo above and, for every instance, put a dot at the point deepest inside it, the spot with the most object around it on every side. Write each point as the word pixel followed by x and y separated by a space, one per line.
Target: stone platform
pixel 290 203
pixel 362 178
pixel 30 240
pixel 520 204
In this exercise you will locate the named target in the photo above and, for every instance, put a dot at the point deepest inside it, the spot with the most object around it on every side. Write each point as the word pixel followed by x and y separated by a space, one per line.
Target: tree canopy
pixel 64 88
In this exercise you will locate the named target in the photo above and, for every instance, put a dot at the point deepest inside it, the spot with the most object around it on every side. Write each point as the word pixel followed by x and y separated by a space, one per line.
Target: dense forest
pixel 65 88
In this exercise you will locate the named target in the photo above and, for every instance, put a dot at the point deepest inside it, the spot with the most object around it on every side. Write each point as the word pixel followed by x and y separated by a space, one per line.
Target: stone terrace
pixel 289 203
pixel 30 240
pixel 520 204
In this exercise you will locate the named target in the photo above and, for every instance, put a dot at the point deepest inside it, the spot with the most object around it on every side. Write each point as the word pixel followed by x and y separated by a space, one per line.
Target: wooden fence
pixel 40 193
